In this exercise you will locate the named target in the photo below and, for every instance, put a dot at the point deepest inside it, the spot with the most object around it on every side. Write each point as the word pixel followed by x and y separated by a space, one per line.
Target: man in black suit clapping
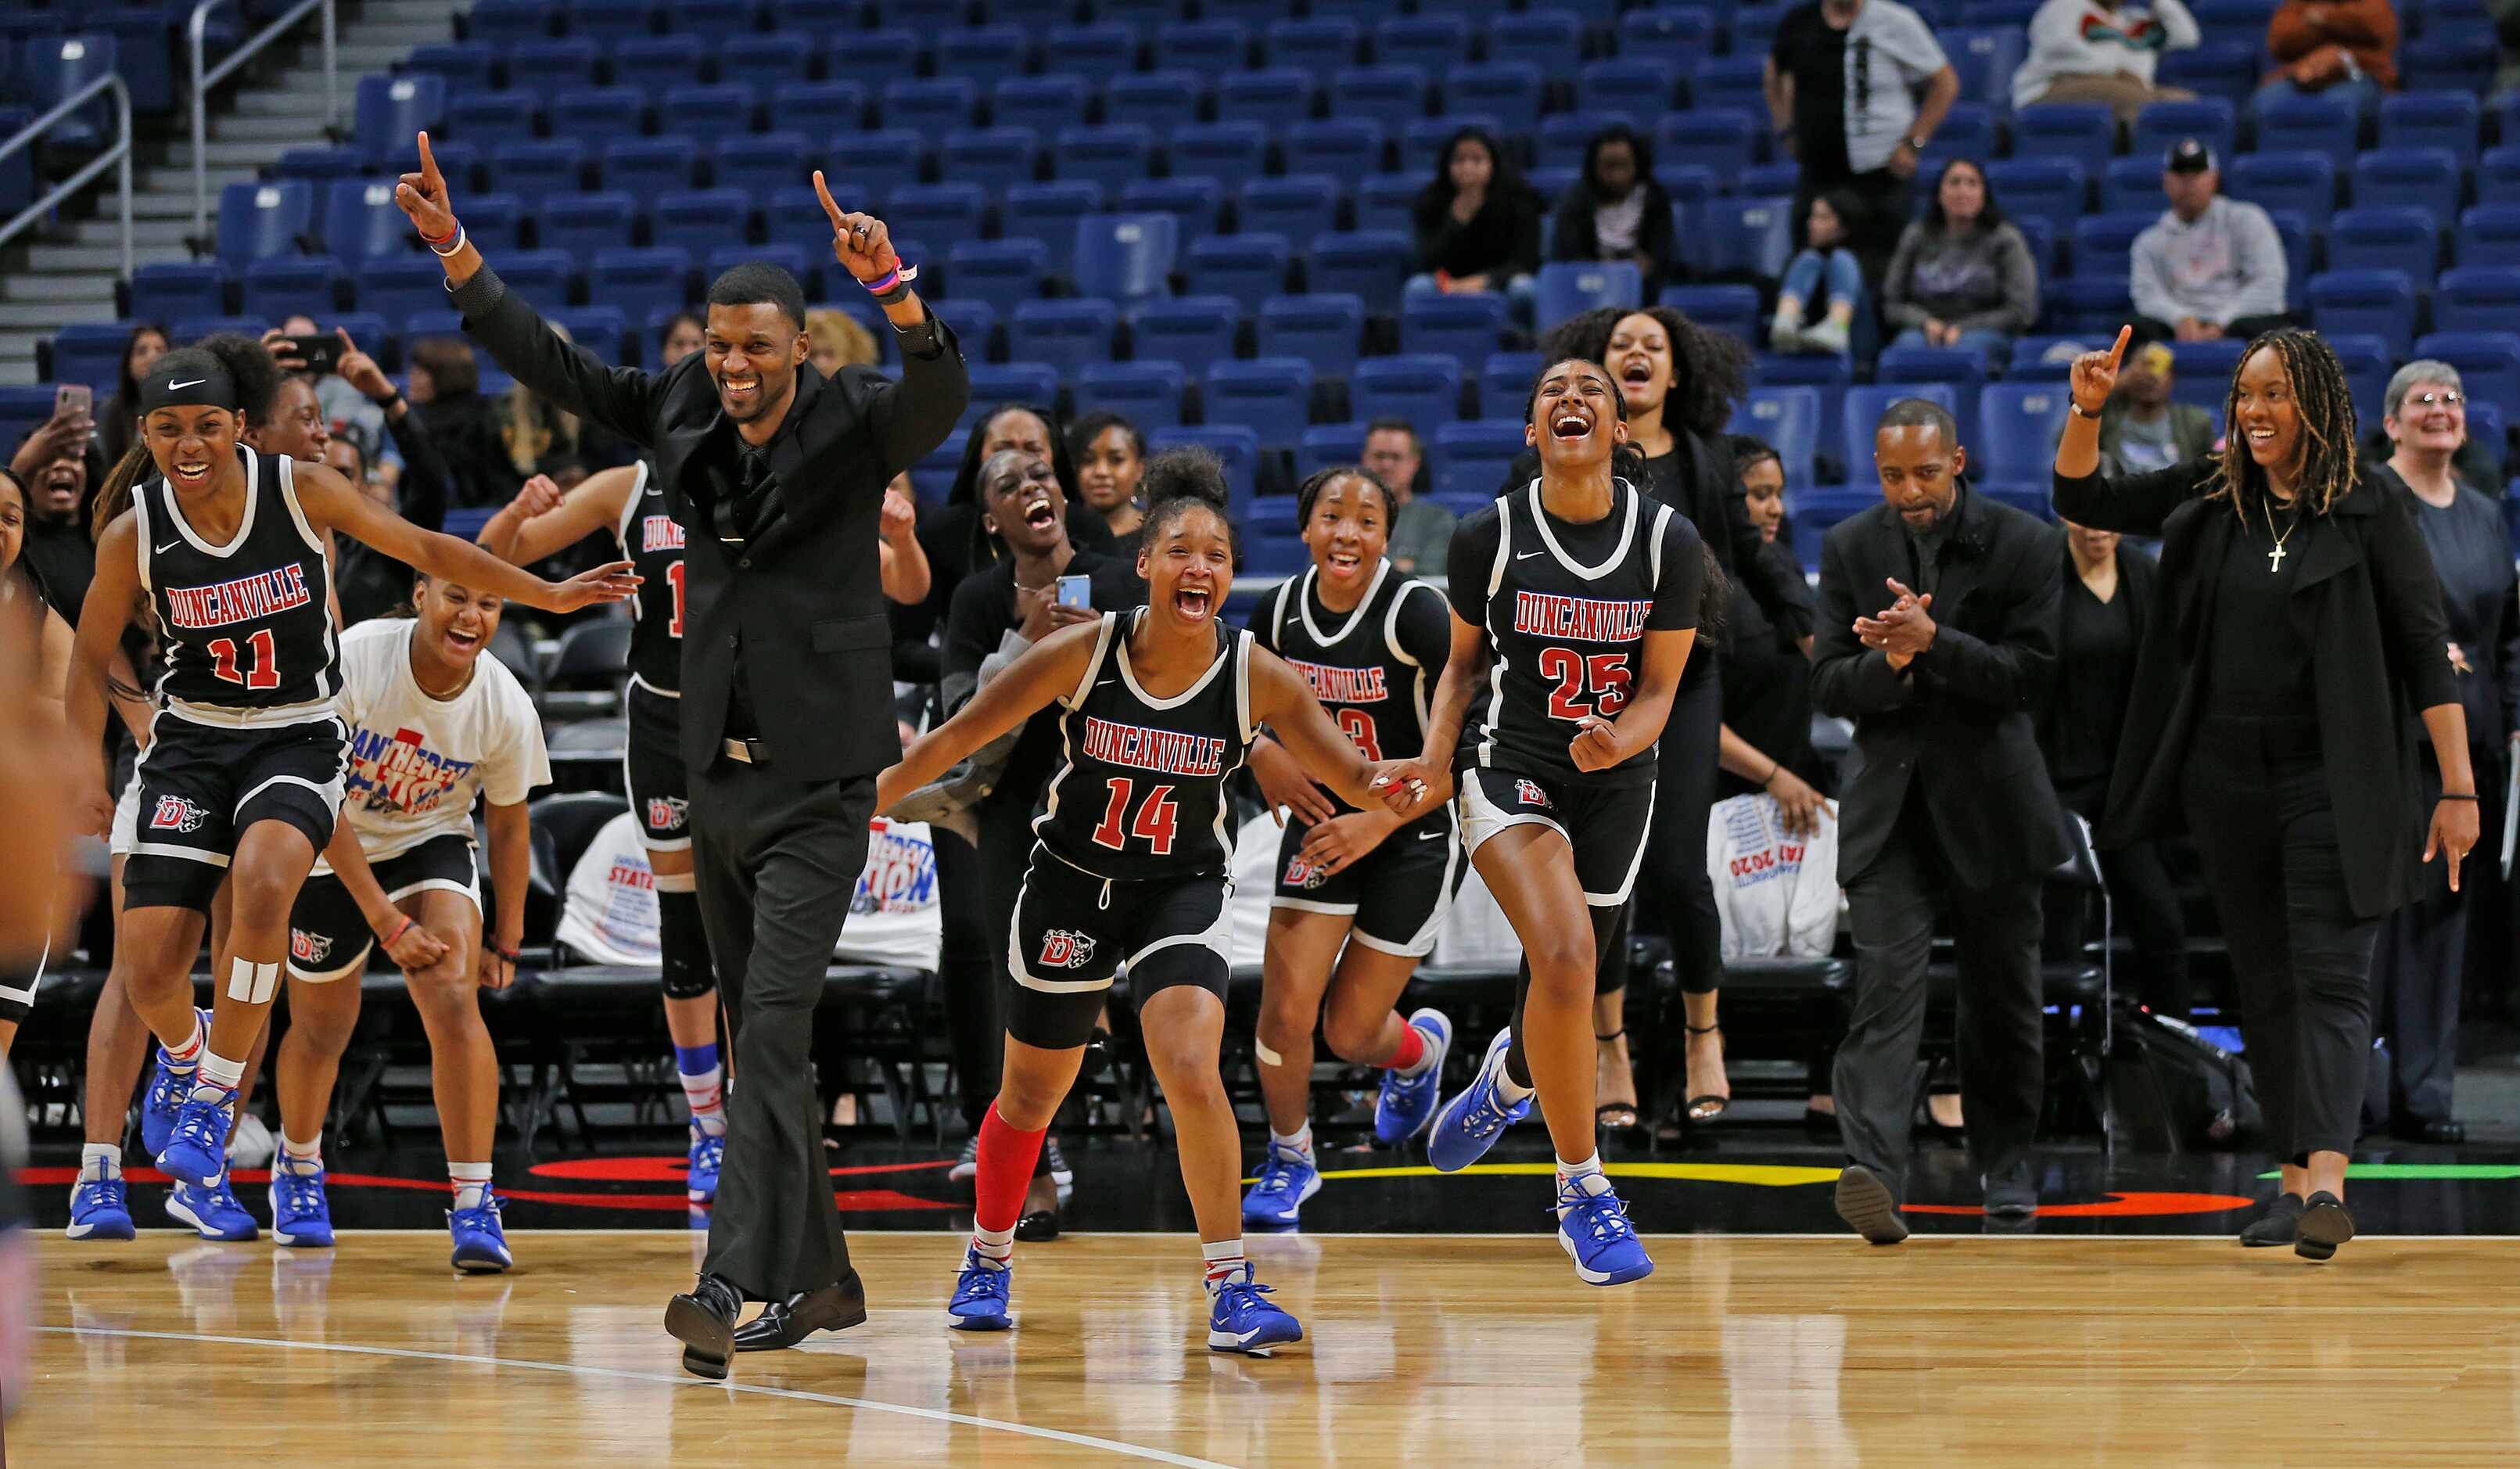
pixel 777 476
pixel 1947 806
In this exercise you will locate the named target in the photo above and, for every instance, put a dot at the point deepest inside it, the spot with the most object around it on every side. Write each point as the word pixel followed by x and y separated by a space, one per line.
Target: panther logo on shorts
pixel 176 815
pixel 666 814
pixel 1301 873
pixel 1528 793
pixel 309 948
pixel 1065 948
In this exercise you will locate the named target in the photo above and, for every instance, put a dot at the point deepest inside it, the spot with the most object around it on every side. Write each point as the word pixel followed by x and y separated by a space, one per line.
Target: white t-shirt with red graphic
pixel 415 763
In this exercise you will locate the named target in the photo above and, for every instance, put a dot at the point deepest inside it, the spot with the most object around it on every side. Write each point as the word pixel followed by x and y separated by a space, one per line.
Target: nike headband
pixel 187 379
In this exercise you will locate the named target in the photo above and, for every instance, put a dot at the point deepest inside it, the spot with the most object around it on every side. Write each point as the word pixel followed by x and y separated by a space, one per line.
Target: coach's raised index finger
pixel 830 206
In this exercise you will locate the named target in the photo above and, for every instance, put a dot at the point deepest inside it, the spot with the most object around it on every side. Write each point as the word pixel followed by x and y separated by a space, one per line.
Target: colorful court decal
pixel 2418 1171
pixel 2116 1206
pixel 1762 1175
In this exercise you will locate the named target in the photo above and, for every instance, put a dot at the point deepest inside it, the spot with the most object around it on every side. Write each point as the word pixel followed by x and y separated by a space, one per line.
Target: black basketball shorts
pixel 1605 826
pixel 328 938
pixel 652 762
pixel 1397 895
pixel 1074 933
pixel 202 785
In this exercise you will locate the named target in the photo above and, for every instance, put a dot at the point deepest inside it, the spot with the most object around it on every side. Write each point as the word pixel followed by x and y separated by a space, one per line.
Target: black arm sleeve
pixel 2129 504
pixel 2409 590
pixel 907 418
pixel 622 400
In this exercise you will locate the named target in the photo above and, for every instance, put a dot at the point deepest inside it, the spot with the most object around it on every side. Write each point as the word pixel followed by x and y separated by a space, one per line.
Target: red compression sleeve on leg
pixel 1007 1155
pixel 1413 1049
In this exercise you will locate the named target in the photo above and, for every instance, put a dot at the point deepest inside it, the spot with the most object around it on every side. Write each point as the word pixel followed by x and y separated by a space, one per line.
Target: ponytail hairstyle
pixel 1320 480
pixel 1180 481
pixel 249 365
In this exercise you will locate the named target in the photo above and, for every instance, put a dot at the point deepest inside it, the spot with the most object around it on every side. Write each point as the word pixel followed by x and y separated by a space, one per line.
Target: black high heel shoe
pixel 1708 1106
pixel 1621 1120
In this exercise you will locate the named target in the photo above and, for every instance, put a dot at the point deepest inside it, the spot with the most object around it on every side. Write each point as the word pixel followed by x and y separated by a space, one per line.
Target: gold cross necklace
pixel 2274 558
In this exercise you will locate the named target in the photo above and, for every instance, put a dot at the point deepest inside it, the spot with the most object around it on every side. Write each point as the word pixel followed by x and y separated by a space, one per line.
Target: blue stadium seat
pixel 1985 59
pixel 976 322
pixel 1344 148
pixel 2305 182
pixel 362 221
pixel 712 16
pixel 1126 257
pixel 1329 447
pixel 1638 88
pixel 2498 169
pixel 760 165
pixel 539 275
pixel 1388 201
pixel 2374 302
pixel 1209 47
pixel 1968 132
pixel 701 220
pixel 1962 371
pixel 2487 362
pixel 1193 202
pixel 646 167
pixel 1507 90
pixel 1790 420
pixel 1272 396
pixel 281 286
pixel 2462 58
pixel 1566 288
pixel 2446 121
pixel 1674 37
pixel 1250 267
pixel 1368 264
pixel 259 221
pixel 1863 409
pixel 2046 357
pixel 2489 233
pixel 610 21
pixel 1065 334
pixel 652 64
pixel 505 23
pixel 317 165
pixel 640 282
pixel 1052 212
pixel 2096 303
pixel 543 70
pixel 1753 29
pixel 2293 232
pixel 2134 185
pixel 1432 43
pixel 580 224
pixel 877 162
pixel 462 66
pixel 2227 68
pixel 1390 97
pixel 727 105
pixel 1504 382
pixel 395 287
pixel 474 117
pixel 933 475
pixel 2408 240
pixel 2204 372
pixel 995 158
pixel 1238 447
pixel 1826 374
pixel 392 110
pixel 90 352
pixel 1317 44
pixel 1274 96
pixel 763 65
pixel 1044 104
pixel 2161 125
pixel 2409 178
pixel 596 113
pixel 1194 330
pixel 995 385
pixel 1322 328
pixel 1297 208
pixel 2082 131
pixel 1426 391
pixel 1472 457
pixel 1147 394
pixel 2367 366
pixel 1422 141
pixel 1734 83
pixel 1770 180
pixel 1223 150
pixel 1272 549
pixel 1565 137
pixel 1145 17
pixel 1464 327
pixel 1110 157
pixel 1738 235
pixel 935 212
pixel 2104 243
pixel 871 58
pixel 2050 188
pixel 1156 101
pixel 1732 310
pixel 195 328
pixel 2309 125
pixel 539 167
pixel 982 52
pixel 933 106
pixel 1723 142
pixel 1551 39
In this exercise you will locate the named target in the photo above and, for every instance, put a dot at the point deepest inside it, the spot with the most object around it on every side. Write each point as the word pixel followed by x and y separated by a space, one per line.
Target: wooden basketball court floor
pixel 1421 1350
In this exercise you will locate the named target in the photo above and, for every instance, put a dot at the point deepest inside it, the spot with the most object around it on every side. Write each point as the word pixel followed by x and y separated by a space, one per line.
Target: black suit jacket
pixel 1959 719
pixel 2368 604
pixel 802 598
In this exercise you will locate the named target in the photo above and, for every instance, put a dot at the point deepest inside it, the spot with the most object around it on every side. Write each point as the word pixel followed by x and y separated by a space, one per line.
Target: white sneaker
pixel 249 1143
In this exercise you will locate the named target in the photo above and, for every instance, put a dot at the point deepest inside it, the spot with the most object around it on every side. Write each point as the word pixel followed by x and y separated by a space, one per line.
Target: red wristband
pixel 395 936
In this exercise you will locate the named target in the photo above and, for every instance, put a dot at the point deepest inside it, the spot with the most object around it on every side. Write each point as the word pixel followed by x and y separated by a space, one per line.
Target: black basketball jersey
pixel 652 541
pixel 1566 608
pixel 1141 792
pixel 245 635
pixel 1374 668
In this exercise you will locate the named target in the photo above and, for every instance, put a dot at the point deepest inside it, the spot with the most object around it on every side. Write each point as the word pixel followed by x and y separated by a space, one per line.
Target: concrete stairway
pixel 68 272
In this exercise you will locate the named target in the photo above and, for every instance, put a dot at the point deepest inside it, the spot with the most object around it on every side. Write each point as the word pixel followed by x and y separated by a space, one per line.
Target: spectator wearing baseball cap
pixel 2211 266
pixel 2143 429
pixel 2332 48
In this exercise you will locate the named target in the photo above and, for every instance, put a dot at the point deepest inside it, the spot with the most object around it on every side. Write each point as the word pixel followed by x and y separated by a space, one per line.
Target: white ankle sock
pixel 302 1157
pixel 182 1059
pixel 469 1181
pixel 1297 1144
pixel 1585 1177
pixel 1509 1089
pixel 100 1159
pixel 997 1245
pixel 217 1075
pixel 1225 1261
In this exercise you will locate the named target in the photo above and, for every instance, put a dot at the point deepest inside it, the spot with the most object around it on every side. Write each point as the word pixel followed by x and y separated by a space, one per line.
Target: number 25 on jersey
pixel 1605 676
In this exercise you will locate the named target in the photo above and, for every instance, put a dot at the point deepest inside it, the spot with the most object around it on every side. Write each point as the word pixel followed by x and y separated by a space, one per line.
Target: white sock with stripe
pixel 302 1157
pixel 1297 1145
pixel 100 1159
pixel 217 1077
pixel 469 1181
pixel 1225 1262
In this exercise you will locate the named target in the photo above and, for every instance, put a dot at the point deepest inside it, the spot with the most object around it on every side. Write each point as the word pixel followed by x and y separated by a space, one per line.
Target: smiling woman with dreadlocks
pixel 2268 717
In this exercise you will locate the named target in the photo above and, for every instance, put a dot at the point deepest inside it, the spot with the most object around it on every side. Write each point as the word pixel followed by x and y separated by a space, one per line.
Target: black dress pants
pixel 2422 958
pixel 2259 808
pixel 777 861
pixel 1995 931
pixel 1674 894
pixel 973 1038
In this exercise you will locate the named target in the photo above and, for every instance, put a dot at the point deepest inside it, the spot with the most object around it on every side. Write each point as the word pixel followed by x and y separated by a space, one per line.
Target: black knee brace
pixel 682 945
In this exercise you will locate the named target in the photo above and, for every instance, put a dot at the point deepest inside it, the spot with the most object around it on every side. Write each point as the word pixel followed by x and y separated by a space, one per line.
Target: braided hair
pixel 1710 371
pixel 1320 480
pixel 2324 403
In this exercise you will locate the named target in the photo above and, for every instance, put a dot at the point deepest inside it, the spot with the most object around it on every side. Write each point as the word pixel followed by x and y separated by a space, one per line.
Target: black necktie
pixel 737 519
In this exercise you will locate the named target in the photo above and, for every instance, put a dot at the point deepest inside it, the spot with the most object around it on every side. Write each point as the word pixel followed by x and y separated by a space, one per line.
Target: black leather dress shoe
pixel 2010 1192
pixel 785 1323
pixel 2325 1225
pixel 702 1319
pixel 1867 1203
pixel 2442 1131
pixel 2280 1225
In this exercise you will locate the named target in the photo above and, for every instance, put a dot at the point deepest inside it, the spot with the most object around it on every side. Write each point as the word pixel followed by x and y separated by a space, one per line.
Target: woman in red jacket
pixel 2341 48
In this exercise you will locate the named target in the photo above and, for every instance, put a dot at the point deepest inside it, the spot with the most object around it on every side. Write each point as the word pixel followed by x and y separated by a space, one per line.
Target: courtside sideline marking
pixel 938 1415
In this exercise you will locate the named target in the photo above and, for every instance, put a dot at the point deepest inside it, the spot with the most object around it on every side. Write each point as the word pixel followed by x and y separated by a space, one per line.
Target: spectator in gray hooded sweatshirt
pixel 1962 276
pixel 2210 268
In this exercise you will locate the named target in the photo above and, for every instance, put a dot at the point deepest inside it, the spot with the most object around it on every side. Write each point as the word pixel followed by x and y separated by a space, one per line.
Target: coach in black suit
pixel 777 475
pixel 1938 638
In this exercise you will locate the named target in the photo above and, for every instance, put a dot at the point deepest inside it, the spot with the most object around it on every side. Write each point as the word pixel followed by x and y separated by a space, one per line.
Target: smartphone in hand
pixel 1076 591
pixel 73 400
pixel 320 353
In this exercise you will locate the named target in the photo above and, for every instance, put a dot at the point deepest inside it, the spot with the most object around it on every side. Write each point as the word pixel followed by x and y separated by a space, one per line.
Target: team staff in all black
pixel 2302 625
pixel 1131 865
pixel 1938 638
pixel 777 476
pixel 243 781
pixel 1359 894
